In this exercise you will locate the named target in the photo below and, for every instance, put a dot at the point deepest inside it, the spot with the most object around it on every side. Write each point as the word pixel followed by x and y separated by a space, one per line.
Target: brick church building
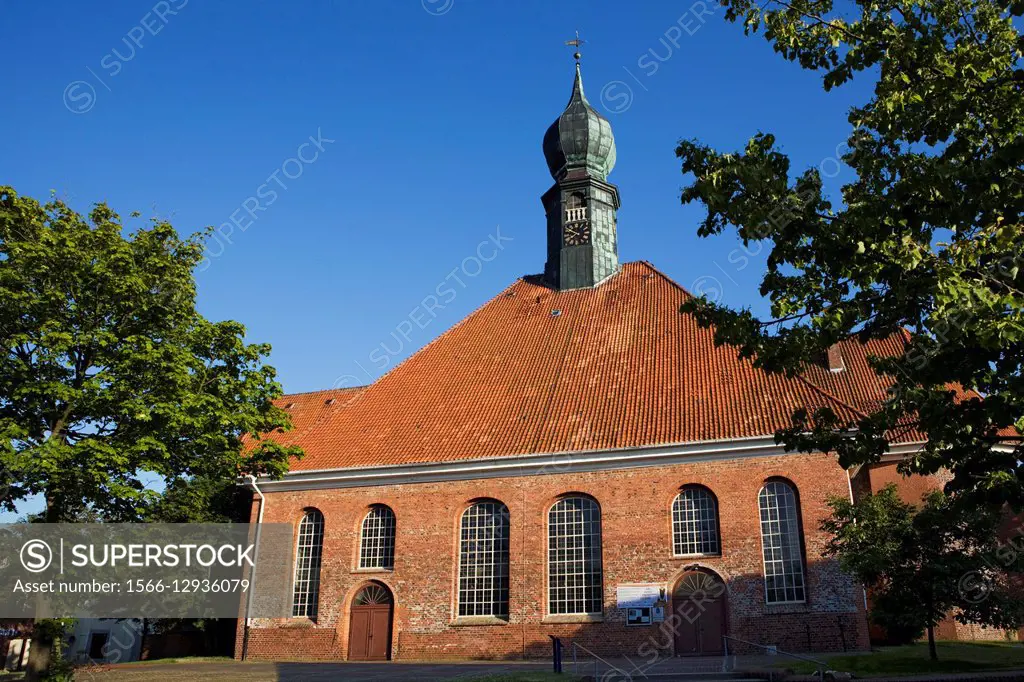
pixel 575 458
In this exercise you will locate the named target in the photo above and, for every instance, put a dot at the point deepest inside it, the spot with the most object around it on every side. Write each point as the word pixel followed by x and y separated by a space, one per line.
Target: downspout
pixel 255 562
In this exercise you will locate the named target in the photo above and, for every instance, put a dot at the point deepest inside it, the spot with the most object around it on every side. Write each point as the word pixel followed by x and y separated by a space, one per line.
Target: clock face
pixel 576 234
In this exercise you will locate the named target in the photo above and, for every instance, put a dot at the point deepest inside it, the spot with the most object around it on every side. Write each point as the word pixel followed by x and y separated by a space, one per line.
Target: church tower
pixel 583 247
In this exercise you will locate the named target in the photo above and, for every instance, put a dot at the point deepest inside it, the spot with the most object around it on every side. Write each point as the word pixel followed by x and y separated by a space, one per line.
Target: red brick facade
pixel 912 489
pixel 636 548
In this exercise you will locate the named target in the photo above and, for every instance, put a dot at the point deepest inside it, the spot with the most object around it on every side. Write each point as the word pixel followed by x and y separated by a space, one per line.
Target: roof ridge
pixel 661 274
pixel 903 333
pixel 813 386
pixel 323 390
pixel 827 394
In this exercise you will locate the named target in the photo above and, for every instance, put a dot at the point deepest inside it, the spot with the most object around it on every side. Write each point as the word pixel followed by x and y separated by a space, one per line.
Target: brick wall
pixel 637 548
pixel 911 489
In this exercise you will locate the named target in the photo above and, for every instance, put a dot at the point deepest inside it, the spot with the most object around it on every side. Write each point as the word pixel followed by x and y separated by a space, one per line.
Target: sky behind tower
pixel 361 157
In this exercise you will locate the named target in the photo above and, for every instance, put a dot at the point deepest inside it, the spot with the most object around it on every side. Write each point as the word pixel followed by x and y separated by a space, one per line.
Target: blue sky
pixel 427 119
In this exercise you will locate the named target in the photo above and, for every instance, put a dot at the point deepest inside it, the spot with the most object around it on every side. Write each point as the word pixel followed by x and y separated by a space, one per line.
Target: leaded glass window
pixel 306 590
pixel 483 560
pixel 695 522
pixel 377 539
pixel 781 542
pixel 574 557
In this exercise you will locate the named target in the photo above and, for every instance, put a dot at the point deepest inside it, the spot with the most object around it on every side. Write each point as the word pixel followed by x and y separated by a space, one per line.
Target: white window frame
pixel 599 552
pixel 311 589
pixel 790 538
pixel 496 563
pixel 381 556
pixel 715 528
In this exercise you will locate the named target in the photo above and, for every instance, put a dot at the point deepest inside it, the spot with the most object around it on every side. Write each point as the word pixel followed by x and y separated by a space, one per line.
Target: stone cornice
pixel 535 465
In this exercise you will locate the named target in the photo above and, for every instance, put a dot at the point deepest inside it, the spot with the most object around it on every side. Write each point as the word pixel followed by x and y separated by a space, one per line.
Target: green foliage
pixel 916 561
pixel 202 499
pixel 109 375
pixel 926 237
pixel 59 670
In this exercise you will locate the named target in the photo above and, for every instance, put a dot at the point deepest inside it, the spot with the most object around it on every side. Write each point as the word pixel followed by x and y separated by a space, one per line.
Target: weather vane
pixel 576 43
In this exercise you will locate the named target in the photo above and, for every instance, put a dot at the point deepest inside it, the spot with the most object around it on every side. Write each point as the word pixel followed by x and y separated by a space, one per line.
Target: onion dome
pixel 581 138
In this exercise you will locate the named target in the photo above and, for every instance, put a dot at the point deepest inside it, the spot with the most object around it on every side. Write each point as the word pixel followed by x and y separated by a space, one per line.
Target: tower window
pixel 576 208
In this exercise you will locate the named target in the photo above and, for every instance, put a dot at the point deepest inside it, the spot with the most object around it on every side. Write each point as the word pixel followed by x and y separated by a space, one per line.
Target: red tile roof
pixel 535 370
pixel 309 410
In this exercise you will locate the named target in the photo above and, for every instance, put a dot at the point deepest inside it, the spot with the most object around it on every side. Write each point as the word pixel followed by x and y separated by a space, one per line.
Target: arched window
pixel 576 208
pixel 377 539
pixel 483 560
pixel 695 522
pixel 373 595
pixel 781 542
pixel 306 591
pixel 574 557
pixel 577 200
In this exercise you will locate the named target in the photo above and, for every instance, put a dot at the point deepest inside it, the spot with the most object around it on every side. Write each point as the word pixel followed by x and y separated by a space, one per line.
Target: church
pixel 576 459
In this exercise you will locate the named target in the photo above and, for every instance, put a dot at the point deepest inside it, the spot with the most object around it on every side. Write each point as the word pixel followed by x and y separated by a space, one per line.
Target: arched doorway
pixel 698 602
pixel 369 628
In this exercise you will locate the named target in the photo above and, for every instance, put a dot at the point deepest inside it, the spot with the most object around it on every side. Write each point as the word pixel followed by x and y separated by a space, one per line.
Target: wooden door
pixel 380 633
pixel 359 634
pixel 712 628
pixel 687 640
pixel 699 606
pixel 369 633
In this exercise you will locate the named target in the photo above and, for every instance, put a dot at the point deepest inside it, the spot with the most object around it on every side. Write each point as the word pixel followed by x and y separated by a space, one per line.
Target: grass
pixel 523 677
pixel 954 657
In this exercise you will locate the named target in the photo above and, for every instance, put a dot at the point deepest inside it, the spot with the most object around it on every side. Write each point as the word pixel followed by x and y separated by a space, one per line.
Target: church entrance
pixel 699 605
pixel 369 629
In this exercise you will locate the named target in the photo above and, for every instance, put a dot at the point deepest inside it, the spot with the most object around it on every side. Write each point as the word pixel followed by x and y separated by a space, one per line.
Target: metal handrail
pixel 597 658
pixel 822 665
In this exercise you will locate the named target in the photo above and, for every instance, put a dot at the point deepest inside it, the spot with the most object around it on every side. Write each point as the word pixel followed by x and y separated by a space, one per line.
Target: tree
pixel 925 241
pixel 915 561
pixel 202 499
pixel 109 376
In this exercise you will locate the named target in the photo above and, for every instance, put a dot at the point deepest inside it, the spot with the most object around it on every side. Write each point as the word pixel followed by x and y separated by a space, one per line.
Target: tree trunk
pixel 38 656
pixel 41 651
pixel 930 602
pixel 142 638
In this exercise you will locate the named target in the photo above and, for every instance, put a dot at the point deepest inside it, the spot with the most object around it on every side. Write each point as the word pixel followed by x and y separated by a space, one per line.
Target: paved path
pixel 230 671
